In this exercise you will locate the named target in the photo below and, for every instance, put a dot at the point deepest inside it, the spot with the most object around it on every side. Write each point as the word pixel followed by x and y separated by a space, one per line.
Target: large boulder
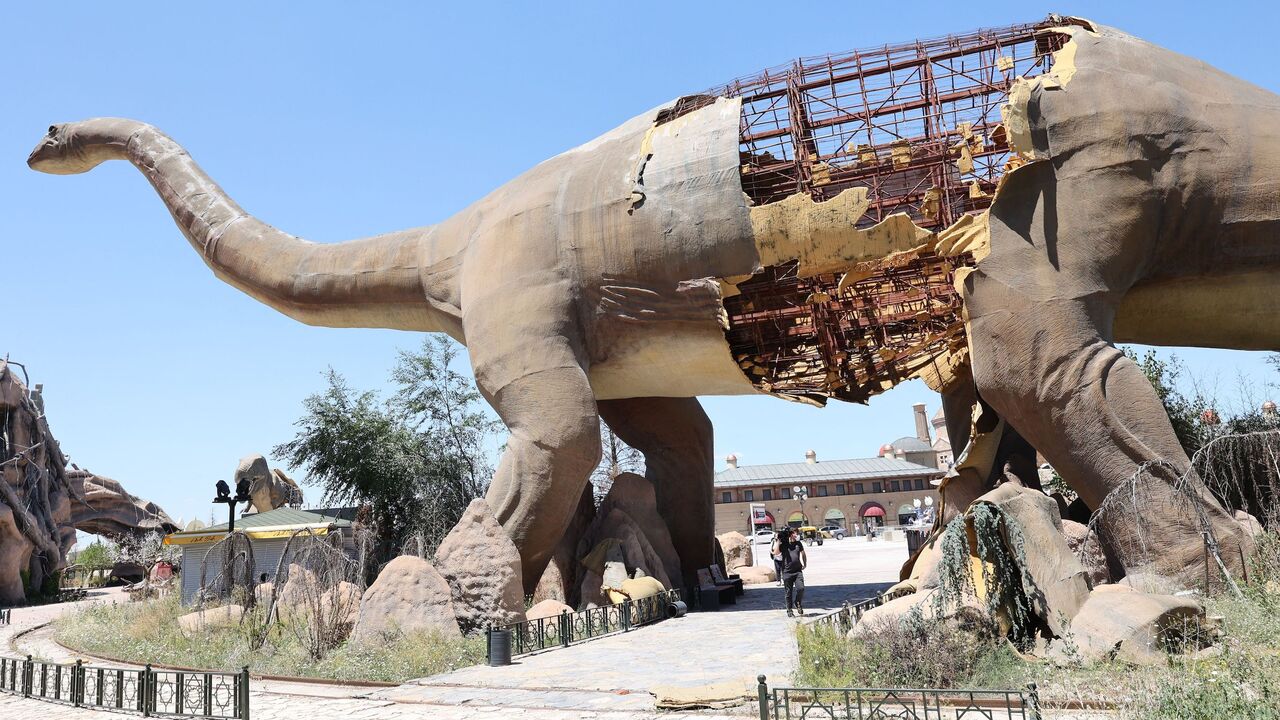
pixel 482 567
pixel 629 514
pixel 923 604
pixel 202 621
pixel 546 609
pixel 1252 528
pixel 1133 626
pixel 1053 579
pixel 757 574
pixel 341 603
pixel 408 596
pixel 736 549
pixel 1087 548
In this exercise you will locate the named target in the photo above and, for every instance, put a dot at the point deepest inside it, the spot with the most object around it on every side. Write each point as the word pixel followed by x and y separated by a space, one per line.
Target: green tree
pixel 1184 412
pixel 616 458
pixel 414 461
pixel 96 555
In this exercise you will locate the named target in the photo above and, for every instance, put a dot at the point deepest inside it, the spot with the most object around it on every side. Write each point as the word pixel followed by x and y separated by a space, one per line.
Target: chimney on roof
pixel 922 423
pixel 731 461
pixel 811 457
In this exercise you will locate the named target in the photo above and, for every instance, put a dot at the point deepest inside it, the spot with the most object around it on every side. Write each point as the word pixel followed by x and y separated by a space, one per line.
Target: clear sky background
pixel 338 120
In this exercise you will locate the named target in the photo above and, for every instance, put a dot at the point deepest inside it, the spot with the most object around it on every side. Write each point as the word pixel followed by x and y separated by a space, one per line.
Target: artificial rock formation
pixel 628 535
pixel 482 567
pixel 102 506
pixel 736 549
pixel 43 502
pixel 35 494
pixel 1085 546
pixel 628 275
pixel 408 596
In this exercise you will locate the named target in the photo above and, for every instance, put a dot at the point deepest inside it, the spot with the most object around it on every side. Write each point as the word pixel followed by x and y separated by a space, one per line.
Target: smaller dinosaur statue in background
pixel 268 488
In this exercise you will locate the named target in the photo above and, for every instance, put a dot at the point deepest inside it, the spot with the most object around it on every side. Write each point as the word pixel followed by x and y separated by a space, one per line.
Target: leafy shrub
pixel 906 652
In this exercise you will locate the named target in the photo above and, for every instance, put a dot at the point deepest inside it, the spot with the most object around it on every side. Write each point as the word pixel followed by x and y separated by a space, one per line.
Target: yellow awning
pixel 263 533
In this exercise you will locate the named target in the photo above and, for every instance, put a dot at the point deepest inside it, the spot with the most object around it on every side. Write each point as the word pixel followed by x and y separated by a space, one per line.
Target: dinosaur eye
pixel 53 129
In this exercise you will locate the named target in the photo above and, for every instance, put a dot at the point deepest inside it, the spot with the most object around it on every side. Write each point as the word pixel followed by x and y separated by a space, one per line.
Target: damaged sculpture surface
pixel 1052 189
pixel 43 502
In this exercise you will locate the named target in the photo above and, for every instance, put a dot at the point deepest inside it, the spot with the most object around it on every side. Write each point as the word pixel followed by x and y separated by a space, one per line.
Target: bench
pixel 718 575
pixel 711 595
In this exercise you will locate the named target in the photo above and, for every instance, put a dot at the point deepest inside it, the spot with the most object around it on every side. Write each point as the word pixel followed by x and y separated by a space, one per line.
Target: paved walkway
pixel 614 677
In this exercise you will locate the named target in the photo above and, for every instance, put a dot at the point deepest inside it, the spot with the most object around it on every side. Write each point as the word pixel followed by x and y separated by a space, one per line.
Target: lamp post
pixel 801 494
pixel 224 497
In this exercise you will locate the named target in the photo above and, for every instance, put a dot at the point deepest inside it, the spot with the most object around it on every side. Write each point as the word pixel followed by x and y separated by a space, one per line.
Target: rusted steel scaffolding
pixel 918 126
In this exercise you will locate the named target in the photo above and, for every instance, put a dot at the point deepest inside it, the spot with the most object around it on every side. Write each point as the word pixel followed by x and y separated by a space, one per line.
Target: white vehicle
pixel 763 534
pixel 835 531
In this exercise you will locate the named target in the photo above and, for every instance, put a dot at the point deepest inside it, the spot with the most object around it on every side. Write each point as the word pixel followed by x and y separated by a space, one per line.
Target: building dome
pixel 886 450
pixel 731 460
pixel 1268 408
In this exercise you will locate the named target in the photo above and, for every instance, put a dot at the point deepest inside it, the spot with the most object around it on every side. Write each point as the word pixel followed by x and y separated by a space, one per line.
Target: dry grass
pixel 148 632
pixel 1238 679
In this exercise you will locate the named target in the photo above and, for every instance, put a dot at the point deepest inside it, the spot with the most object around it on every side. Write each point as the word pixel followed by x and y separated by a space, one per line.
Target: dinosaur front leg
pixel 675 436
pixel 1049 372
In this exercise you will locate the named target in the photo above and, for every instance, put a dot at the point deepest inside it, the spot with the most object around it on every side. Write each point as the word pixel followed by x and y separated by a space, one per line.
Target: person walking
pixel 777 554
pixel 791 552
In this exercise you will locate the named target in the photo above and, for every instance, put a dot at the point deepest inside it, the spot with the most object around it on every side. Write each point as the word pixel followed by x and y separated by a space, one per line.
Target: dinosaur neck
pixel 369 282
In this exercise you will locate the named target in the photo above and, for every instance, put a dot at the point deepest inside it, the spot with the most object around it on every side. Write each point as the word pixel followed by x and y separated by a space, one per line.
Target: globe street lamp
pixel 224 497
pixel 917 504
pixel 801 494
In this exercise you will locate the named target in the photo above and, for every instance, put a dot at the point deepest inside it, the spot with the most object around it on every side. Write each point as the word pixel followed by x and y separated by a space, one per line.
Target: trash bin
pixel 915 538
pixel 499 648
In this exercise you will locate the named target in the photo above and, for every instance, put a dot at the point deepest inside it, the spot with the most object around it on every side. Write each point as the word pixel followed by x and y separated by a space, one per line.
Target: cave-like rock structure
pixel 102 506
pixel 43 502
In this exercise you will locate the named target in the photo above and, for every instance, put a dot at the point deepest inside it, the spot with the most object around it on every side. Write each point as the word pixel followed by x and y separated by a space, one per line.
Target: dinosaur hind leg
pixel 1048 370
pixel 540 391
pixel 676 438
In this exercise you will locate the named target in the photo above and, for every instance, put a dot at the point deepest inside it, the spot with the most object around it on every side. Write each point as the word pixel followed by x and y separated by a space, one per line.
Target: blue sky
pixel 349 119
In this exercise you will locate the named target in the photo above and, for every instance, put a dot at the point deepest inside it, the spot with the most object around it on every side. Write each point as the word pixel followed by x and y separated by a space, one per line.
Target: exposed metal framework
pixel 918 125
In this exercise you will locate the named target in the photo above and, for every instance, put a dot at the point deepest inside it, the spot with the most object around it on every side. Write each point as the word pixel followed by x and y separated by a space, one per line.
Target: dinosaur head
pixel 77 147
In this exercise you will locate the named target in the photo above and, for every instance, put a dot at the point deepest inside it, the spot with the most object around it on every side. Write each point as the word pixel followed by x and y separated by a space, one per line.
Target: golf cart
pixel 811 534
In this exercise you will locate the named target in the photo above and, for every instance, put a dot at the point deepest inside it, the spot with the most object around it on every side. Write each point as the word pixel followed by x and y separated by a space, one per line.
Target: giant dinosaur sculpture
pixel 825 230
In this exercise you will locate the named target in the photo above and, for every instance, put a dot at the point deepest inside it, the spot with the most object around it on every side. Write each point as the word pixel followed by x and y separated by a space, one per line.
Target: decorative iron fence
pixel 848 615
pixel 572 627
pixel 788 703
pixel 173 693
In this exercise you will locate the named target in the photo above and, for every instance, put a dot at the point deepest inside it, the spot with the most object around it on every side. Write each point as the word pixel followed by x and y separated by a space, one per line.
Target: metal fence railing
pixel 790 703
pixel 847 615
pixel 172 693
pixel 572 627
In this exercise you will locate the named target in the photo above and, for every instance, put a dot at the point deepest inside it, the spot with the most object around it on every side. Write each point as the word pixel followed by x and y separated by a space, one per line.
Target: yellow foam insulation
pixel 1013 112
pixel 970 234
pixel 823 238
pixel 901 150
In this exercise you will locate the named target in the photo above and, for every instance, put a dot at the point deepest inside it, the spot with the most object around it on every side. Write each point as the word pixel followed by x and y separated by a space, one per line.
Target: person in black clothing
pixel 776 555
pixel 791 552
